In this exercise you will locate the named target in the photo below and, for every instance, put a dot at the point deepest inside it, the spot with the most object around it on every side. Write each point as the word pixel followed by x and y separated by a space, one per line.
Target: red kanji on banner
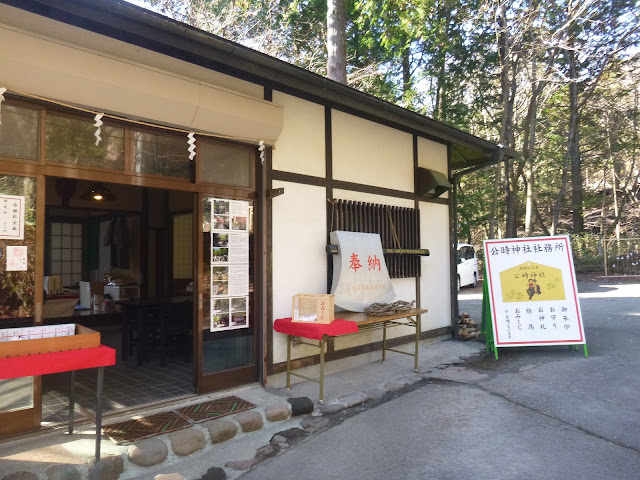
pixel 374 262
pixel 355 263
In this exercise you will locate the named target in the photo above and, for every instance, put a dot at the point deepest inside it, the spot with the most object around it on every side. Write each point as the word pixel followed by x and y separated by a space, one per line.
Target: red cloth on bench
pixel 44 363
pixel 315 330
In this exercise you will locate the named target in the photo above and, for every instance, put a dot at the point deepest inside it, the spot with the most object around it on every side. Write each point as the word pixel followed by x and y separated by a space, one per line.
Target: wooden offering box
pixel 312 308
pixel 40 340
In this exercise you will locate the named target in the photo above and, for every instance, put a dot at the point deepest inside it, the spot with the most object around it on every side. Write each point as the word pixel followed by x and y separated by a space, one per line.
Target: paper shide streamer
pixel 2 90
pixel 192 145
pixel 98 125
pixel 261 147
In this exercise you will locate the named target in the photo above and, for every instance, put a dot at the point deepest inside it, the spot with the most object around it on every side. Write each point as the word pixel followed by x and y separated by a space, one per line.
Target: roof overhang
pixel 143 28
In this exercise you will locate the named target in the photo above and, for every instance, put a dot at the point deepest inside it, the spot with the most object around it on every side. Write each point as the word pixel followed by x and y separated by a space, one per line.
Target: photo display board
pixel 532 292
pixel 229 264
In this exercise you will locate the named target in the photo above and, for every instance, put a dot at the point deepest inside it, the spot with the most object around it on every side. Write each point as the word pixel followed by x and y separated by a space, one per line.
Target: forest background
pixel 556 81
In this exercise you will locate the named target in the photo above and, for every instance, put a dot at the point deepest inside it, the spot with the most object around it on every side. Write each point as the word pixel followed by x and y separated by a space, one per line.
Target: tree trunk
pixel 507 86
pixel 493 214
pixel 528 149
pixel 336 41
pixel 573 147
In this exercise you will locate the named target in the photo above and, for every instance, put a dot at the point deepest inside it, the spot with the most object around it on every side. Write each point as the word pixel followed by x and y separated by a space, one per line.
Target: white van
pixel 467 266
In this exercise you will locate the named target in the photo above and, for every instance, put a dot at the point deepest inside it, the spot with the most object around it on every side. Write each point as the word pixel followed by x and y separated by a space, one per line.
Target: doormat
pixel 215 408
pixel 145 427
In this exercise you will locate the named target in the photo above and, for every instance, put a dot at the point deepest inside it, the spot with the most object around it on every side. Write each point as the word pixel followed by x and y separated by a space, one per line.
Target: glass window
pixel 162 155
pixel 72 141
pixel 17 286
pixel 225 164
pixel 66 252
pixel 19 132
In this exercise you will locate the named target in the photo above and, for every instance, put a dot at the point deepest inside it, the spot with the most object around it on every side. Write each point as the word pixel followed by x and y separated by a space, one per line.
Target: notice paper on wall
pixel 16 258
pixel 229 264
pixel 12 217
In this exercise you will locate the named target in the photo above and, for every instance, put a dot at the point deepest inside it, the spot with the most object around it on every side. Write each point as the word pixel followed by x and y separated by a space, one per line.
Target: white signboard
pixel 229 264
pixel 360 275
pixel 532 292
pixel 11 217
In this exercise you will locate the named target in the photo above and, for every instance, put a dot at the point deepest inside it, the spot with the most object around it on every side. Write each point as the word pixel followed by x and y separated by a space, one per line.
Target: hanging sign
pixel 532 292
pixel 229 264
pixel 12 217
pixel 360 275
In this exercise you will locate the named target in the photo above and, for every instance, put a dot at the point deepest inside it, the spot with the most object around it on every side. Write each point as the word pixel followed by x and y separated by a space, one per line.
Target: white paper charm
pixel 192 145
pixel 98 125
pixel 261 147
pixel 2 90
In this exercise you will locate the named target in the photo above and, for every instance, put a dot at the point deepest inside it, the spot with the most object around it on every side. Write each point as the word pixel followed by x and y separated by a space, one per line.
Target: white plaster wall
pixel 435 281
pixel 301 145
pixel 299 257
pixel 433 155
pixel 372 154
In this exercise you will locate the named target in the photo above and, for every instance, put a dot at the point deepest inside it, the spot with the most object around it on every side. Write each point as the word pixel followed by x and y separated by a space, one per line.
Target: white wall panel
pixel 433 155
pixel 435 282
pixel 299 257
pixel 301 145
pixel 372 154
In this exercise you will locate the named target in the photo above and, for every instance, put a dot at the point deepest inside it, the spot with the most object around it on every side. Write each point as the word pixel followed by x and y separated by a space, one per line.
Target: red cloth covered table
pixel 56 362
pixel 66 361
pixel 315 331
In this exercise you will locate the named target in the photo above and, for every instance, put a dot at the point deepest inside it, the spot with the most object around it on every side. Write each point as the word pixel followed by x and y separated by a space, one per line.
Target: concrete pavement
pixel 463 397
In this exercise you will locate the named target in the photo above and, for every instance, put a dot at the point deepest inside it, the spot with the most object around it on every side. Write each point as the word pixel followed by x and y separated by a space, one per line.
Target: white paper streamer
pixel 2 90
pixel 261 147
pixel 192 145
pixel 98 125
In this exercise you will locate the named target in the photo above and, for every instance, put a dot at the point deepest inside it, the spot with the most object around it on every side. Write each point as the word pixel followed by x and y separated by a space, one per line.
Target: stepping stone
pixel 148 452
pixel 301 406
pixel 187 441
pixel 62 472
pixel 107 468
pixel 221 430
pixel 249 421
pixel 277 412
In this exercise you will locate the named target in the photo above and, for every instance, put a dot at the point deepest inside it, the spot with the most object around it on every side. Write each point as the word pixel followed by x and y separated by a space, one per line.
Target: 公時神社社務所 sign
pixel 532 292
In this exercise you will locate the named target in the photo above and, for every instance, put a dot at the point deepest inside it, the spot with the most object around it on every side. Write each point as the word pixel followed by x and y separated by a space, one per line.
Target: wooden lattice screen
pixel 399 228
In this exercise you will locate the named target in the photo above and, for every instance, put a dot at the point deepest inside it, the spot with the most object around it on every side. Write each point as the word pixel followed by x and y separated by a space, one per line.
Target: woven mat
pixel 215 408
pixel 145 427
pixel 140 428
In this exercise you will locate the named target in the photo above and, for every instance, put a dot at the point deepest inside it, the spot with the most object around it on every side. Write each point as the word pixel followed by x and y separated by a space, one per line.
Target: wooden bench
pixel 349 323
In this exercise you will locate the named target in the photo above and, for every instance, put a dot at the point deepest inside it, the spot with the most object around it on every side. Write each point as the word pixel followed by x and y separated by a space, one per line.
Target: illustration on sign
pixel 533 302
pixel 229 264
pixel 531 281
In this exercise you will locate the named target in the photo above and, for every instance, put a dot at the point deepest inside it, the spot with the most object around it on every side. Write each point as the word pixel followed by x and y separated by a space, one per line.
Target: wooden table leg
pixel 322 344
pixel 418 330
pixel 288 362
pixel 99 410
pixel 72 400
pixel 384 341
